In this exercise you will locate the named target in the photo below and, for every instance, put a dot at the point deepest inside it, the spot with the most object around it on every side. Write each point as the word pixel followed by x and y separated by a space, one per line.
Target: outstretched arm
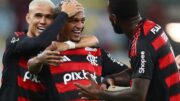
pixel 118 79
pixel 137 92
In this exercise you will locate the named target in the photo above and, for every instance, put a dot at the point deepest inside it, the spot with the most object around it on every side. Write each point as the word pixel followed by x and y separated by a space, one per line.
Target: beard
pixel 117 29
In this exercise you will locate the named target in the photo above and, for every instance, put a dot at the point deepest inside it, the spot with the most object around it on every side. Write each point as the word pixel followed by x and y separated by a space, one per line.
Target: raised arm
pixel 31 44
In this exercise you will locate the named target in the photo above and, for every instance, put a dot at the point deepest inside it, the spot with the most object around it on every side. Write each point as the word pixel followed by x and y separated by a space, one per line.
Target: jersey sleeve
pixel 142 63
pixel 110 65
pixel 29 44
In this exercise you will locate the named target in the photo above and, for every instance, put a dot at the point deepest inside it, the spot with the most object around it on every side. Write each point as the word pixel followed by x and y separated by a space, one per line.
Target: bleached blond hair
pixel 43 2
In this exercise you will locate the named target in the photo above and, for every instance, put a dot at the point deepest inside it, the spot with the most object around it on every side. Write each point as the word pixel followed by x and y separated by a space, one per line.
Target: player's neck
pixel 133 25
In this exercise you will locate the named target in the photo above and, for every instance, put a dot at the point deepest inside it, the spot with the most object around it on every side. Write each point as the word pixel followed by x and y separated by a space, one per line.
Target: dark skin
pixel 139 88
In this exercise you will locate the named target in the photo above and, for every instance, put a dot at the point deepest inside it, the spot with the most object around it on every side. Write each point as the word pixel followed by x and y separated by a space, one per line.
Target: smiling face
pixel 40 16
pixel 72 30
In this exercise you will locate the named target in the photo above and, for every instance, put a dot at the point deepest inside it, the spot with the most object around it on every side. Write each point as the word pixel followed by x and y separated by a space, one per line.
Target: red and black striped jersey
pixel 152 58
pixel 18 84
pixel 76 64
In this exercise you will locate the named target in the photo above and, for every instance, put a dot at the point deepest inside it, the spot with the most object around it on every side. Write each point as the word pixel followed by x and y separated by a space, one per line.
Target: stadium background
pixel 164 12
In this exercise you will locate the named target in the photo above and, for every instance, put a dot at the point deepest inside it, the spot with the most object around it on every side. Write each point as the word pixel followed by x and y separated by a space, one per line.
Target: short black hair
pixel 124 9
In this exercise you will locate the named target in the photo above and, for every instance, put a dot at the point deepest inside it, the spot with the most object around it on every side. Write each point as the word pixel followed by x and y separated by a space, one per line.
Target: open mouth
pixel 40 29
pixel 77 33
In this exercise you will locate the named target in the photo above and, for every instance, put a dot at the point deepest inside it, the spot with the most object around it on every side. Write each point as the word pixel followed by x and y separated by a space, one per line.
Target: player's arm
pixel 137 92
pixel 51 56
pixel 86 41
pixel 117 79
pixel 47 57
pixel 27 45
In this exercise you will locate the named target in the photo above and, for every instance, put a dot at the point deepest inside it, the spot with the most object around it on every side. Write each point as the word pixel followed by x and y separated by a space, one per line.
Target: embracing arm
pixel 87 40
pixel 30 44
pixel 51 54
pixel 47 57
pixel 27 45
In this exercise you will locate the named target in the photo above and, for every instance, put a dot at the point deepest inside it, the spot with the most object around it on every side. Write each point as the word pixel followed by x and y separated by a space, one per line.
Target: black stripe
pixel 34 96
pixel 175 89
pixel 68 96
pixel 169 70
pixel 164 50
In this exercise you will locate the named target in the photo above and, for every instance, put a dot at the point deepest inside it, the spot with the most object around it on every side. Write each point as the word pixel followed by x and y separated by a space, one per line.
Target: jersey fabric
pixel 152 58
pixel 76 64
pixel 18 84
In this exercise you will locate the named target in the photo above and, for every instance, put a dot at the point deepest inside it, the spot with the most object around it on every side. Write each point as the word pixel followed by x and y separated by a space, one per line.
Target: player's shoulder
pixel 15 37
pixel 150 28
pixel 19 34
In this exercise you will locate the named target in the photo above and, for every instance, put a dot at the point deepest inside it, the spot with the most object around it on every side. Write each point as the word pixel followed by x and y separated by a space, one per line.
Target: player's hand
pixel 49 57
pixel 71 7
pixel 91 91
pixel 59 46
pixel 106 83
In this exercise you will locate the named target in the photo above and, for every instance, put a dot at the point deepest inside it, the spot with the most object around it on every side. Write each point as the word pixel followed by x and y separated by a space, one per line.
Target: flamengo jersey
pixel 18 84
pixel 152 58
pixel 76 64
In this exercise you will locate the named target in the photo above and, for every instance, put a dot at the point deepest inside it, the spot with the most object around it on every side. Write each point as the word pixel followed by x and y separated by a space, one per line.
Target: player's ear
pixel 27 17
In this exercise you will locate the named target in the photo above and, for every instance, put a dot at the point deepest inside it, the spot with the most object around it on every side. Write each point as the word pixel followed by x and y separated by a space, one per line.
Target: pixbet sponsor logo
pixel 32 77
pixel 143 63
pixel 77 76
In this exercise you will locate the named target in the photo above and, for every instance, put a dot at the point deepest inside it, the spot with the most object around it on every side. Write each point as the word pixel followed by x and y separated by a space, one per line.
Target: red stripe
pixel 148 25
pixel 82 51
pixel 165 61
pixel 172 79
pixel 29 85
pixel 23 63
pixel 175 97
pixel 19 33
pixel 61 87
pixel 73 66
pixel 22 99
pixel 159 42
